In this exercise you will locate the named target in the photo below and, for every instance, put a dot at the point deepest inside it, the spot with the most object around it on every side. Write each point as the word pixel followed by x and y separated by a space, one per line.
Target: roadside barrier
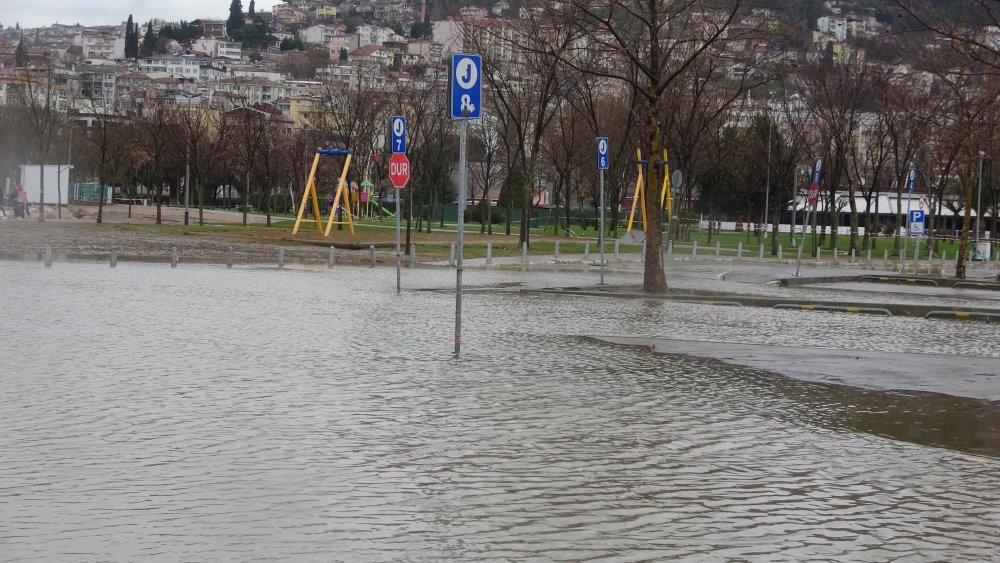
pixel 836 308
pixel 962 315
pixel 978 285
pixel 887 279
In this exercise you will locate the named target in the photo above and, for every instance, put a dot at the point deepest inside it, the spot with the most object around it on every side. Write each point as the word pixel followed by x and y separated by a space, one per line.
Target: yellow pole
pixel 636 194
pixel 665 192
pixel 341 185
pixel 310 190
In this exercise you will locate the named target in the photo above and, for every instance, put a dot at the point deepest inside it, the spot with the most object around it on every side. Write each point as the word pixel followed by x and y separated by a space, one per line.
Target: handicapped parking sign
pixel 916 222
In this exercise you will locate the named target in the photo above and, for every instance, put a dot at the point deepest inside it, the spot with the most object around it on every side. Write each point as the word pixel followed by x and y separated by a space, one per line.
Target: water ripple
pixel 201 413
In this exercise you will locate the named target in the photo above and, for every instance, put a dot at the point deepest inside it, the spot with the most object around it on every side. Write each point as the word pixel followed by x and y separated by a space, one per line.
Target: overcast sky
pixel 39 13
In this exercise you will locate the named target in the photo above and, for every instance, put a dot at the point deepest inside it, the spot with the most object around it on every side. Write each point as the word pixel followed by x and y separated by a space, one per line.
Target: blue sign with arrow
pixel 397 134
pixel 602 153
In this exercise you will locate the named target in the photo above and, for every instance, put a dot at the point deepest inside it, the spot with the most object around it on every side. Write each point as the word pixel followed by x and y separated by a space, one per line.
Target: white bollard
pixel 281 258
pixel 760 253
pixel 48 254
pixel 852 255
pixel 557 249
pixel 739 250
pixel 780 254
pixel 586 250
pixel 836 256
pixel 718 248
pixel 694 249
pixel 332 258
pixel 114 258
pixel 229 258
pixel 819 253
pixel 413 256
pixel 489 253
pixel 173 257
pixel 524 253
pixel 869 258
pixel 451 256
pixel 670 248
pixel 617 244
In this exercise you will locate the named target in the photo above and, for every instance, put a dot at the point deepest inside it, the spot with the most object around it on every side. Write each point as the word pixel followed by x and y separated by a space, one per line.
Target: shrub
pixel 475 214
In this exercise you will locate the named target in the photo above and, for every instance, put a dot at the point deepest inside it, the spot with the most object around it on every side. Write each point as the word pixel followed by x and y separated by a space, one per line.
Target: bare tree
pixel 42 99
pixel 485 166
pixel 109 141
pixel 649 45
pixel 522 64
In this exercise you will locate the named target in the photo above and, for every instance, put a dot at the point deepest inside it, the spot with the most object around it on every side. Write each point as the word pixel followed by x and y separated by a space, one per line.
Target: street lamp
pixel 187 158
pixel 979 196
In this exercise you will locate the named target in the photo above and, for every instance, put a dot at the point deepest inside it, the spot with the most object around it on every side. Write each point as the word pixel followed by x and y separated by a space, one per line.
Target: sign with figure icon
pixel 916 222
pixel 466 86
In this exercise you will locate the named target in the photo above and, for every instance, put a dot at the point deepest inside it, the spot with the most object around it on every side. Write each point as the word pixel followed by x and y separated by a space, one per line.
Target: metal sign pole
pixel 812 200
pixel 397 241
pixel 461 229
pixel 600 236
pixel 802 243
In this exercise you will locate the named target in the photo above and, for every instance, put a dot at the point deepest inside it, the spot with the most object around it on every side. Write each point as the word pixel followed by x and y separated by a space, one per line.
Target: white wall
pixel 31 180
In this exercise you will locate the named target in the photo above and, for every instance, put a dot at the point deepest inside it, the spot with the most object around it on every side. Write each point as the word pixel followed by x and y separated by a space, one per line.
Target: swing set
pixel 640 185
pixel 340 199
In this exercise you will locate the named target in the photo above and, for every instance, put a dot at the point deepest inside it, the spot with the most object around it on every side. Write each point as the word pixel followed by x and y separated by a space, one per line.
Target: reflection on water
pixel 201 413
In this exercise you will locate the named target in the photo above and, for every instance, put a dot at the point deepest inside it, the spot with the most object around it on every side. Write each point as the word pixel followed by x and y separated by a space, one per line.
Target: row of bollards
pixel 47 256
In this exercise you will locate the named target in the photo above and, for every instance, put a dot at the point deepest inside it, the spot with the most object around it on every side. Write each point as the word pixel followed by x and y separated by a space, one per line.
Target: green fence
pixel 87 191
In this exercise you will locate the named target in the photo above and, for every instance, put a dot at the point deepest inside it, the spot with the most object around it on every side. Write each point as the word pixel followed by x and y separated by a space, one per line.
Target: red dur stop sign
pixel 399 170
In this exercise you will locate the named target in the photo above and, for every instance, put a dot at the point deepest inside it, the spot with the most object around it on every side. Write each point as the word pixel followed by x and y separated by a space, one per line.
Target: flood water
pixel 201 413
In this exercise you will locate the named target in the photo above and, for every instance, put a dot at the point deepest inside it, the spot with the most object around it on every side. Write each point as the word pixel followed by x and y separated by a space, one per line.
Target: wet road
pixel 201 413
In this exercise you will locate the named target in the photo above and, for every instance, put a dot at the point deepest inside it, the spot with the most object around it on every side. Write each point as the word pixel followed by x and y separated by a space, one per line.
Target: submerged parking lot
pixel 201 412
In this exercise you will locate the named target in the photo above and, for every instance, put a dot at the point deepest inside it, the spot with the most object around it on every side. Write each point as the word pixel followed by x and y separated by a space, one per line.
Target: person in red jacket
pixel 21 203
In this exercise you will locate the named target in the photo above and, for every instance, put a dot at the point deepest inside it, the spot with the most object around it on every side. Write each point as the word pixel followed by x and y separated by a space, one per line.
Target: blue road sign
pixel 397 134
pixel 911 179
pixel 916 221
pixel 602 153
pixel 466 86
pixel 817 170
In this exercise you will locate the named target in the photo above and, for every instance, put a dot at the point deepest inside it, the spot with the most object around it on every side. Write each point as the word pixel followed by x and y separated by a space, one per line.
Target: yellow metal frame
pixel 637 194
pixel 341 195
pixel 311 195
pixel 665 191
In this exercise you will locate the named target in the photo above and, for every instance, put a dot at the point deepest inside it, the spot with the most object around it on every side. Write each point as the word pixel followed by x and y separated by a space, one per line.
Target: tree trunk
pixel 654 279
pixel 963 244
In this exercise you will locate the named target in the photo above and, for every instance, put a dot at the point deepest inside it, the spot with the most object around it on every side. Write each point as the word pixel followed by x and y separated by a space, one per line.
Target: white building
pixel 372 35
pixel 219 49
pixel 318 34
pixel 186 66
pixel 837 27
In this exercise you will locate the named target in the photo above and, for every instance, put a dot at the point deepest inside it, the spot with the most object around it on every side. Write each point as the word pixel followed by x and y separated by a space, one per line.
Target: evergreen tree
pixel 251 13
pixel 21 53
pixel 235 20
pixel 148 41
pixel 131 39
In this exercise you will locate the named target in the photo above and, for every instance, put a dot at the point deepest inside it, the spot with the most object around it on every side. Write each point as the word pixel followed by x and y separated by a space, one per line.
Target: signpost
pixel 466 93
pixel 603 162
pixel 399 173
pixel 811 199
pixel 911 184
